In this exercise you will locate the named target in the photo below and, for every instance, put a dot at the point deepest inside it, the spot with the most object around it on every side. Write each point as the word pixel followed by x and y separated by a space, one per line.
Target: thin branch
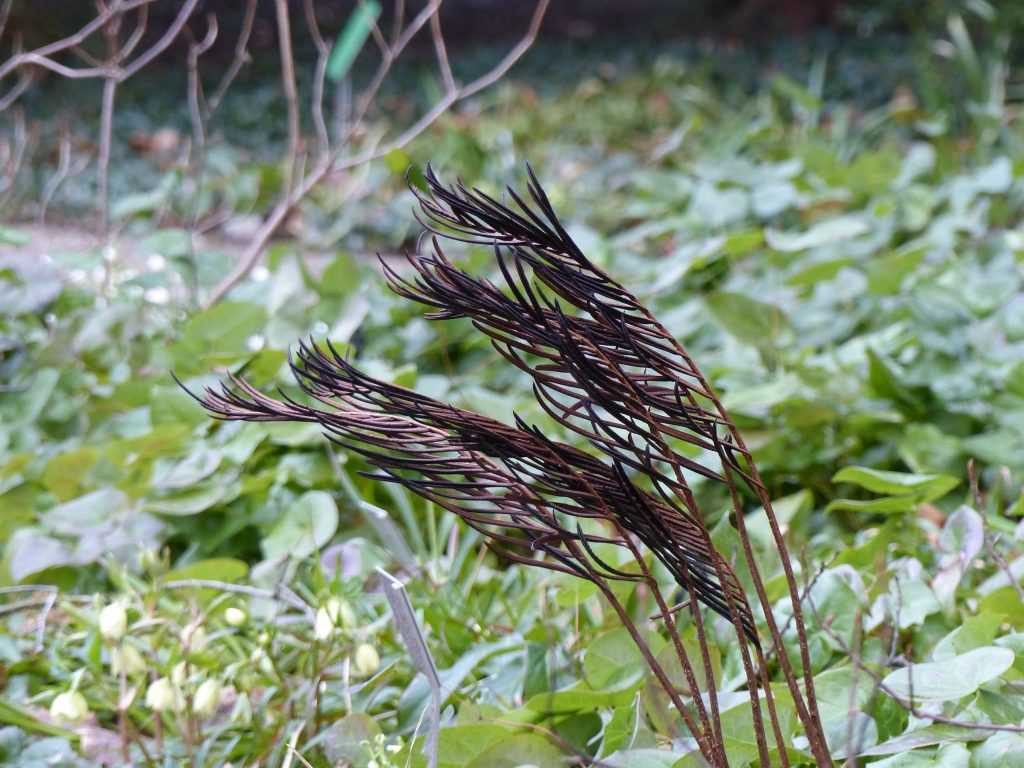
pixel 323 52
pixel 65 170
pixel 332 162
pixel 442 52
pixel 282 594
pixel 39 55
pixel 5 14
pixel 291 96
pixel 238 60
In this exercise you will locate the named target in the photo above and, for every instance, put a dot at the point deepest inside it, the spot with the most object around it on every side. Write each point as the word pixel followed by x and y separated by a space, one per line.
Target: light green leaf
pixel 307 525
pixel 950 679
pixel 612 660
pixel 920 487
pixel 748 319
pixel 217 568
pixel 825 233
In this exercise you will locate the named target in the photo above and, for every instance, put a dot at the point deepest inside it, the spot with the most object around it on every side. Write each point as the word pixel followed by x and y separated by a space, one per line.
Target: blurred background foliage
pixel 827 211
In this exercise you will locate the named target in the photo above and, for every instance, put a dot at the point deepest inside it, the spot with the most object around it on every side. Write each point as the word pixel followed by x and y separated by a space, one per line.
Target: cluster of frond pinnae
pixel 497 477
pixel 607 371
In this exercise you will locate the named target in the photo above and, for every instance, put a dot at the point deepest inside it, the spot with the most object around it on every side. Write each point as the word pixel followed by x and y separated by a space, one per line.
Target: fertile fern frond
pixel 605 369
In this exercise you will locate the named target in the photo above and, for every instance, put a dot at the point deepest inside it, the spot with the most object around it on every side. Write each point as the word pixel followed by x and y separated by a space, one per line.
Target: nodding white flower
pixel 333 614
pixel 193 637
pixel 242 713
pixel 69 707
pixel 367 660
pixel 323 626
pixel 179 674
pixel 163 695
pixel 113 622
pixel 346 615
pixel 153 561
pixel 125 659
pixel 207 698
pixel 236 617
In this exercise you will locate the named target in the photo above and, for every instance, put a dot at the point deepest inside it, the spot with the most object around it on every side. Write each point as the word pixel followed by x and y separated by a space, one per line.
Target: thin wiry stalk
pixel 606 370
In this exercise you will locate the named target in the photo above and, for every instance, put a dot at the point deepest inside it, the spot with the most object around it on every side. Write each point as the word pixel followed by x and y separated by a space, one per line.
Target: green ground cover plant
pixel 848 274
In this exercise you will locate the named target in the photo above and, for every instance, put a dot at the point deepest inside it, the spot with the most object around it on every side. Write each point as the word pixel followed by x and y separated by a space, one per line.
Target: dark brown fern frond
pixel 605 369
pixel 574 482
pixel 620 379
pixel 429 462
pixel 511 484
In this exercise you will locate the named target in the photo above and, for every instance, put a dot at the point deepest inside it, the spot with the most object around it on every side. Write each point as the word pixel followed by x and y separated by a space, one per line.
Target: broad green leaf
pixel 952 678
pixel 888 505
pixel 579 698
pixel 217 336
pixel 306 526
pixel 349 740
pixel 218 569
pixel 748 319
pixel 974 632
pixel 520 749
pixel 921 487
pixel 1000 750
pixel 612 660
pixel 196 499
pixel 826 233
pixel 947 756
pixel 927 736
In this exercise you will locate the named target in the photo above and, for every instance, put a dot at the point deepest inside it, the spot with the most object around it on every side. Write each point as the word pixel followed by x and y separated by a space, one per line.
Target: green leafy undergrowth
pixel 849 277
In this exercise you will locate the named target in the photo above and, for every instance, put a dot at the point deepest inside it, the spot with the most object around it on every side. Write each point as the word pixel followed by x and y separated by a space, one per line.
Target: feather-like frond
pixel 604 368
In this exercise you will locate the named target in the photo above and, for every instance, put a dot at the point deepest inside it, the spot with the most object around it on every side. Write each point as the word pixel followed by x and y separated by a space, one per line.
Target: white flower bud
pixel 236 617
pixel 113 622
pixel 125 659
pixel 323 626
pixel 242 713
pixel 207 698
pixel 179 674
pixel 69 707
pixel 193 638
pixel 334 613
pixel 346 615
pixel 163 695
pixel 367 660
pixel 153 562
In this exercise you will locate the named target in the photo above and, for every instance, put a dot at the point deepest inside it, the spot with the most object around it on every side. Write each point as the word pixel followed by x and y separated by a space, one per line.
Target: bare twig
pixel 117 71
pixel 5 13
pixel 332 163
pixel 282 594
pixel 24 81
pixel 65 169
pixel 238 60
pixel 16 158
pixel 103 160
pixel 323 52
pixel 291 96
pixel 442 52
